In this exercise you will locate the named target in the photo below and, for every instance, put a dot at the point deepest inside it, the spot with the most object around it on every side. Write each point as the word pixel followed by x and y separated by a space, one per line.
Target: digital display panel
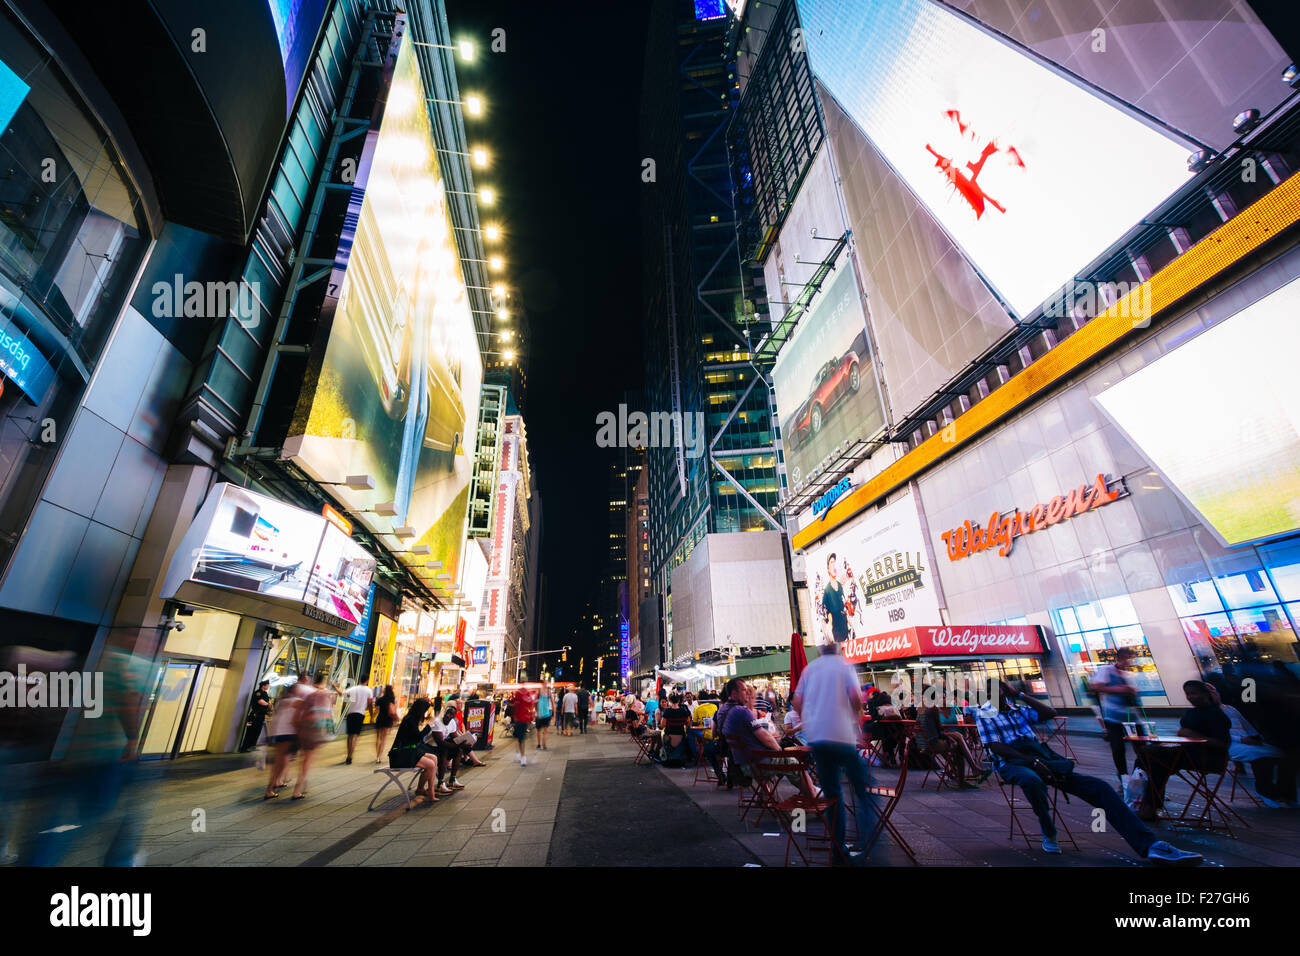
pixel 1219 418
pixel 825 380
pixel 1019 164
pixel 399 381
pixel 295 566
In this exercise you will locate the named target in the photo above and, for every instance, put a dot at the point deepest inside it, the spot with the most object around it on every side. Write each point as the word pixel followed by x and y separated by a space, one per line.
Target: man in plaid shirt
pixel 1007 717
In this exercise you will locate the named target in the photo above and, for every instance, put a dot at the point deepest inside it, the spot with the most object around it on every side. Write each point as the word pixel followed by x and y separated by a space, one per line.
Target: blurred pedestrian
pixel 315 727
pixel 283 733
pixel 359 698
pixel 829 705
pixel 385 718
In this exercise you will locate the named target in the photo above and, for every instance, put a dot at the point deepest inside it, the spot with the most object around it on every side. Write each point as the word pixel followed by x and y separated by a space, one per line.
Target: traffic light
pixel 564 655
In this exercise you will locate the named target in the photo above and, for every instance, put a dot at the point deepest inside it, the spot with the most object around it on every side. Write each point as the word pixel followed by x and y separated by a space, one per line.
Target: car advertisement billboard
pixel 398 383
pixel 1012 158
pixel 824 377
pixel 874 577
pixel 1219 418
pixel 252 554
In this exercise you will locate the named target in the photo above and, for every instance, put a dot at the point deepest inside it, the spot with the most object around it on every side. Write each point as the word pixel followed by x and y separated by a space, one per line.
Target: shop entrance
pixel 182 705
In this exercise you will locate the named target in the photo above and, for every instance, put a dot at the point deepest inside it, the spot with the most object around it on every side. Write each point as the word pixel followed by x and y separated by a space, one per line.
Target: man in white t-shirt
pixel 569 712
pixel 359 697
pixel 830 707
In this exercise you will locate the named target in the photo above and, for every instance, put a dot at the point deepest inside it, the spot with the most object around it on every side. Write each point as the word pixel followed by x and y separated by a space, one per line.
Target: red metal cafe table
pixel 1196 777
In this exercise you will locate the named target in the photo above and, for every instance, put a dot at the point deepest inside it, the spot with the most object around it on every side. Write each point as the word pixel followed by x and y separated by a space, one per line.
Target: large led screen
pixel 300 568
pixel 1032 175
pixel 825 379
pixel 398 386
pixel 1219 417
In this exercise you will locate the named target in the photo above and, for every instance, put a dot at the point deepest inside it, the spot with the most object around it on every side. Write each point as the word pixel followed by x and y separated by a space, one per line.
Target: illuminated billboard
pixel 1032 175
pixel 296 25
pixel 825 380
pixel 873 577
pixel 399 380
pixel 1219 418
pixel 254 555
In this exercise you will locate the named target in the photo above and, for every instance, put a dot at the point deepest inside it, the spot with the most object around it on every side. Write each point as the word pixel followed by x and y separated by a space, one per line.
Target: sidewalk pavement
pixel 584 802
pixel 504 816
pixel 970 828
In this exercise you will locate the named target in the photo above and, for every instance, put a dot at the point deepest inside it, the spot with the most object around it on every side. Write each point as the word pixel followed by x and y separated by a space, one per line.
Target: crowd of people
pixel 846 729
pixel 430 735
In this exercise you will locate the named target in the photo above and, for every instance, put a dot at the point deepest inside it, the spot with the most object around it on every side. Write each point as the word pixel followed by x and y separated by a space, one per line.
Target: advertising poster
pixel 381 666
pixel 1244 483
pixel 872 578
pixel 300 567
pixel 994 143
pixel 398 383
pixel 825 379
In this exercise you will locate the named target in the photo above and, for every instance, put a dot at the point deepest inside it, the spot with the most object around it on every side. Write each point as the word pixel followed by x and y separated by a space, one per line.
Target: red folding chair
pixel 703 767
pixel 749 795
pixel 644 743
pixel 885 813
pixel 792 812
pixel 939 764
pixel 1235 770
pixel 1198 779
pixel 1009 795
pixel 1058 733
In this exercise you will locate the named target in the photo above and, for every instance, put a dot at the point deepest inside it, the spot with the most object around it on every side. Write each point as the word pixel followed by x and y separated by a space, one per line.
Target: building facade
pixel 997 452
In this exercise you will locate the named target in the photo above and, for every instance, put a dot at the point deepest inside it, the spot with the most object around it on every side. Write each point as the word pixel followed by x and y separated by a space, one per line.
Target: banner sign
pixel 974 640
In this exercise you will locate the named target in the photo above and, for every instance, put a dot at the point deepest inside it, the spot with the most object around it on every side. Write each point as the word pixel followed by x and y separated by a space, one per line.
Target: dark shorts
pixel 543 722
pixel 404 759
pixel 354 724
pixel 520 731
pixel 283 739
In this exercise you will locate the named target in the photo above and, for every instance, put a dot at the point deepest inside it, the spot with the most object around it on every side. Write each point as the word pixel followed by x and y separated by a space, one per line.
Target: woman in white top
pixel 282 733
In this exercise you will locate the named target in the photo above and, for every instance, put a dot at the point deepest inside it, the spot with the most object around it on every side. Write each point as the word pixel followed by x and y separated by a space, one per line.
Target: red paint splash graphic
pixel 965 181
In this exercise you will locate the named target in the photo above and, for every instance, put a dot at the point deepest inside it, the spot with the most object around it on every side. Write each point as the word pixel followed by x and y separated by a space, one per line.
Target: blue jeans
pixel 832 759
pixel 1090 790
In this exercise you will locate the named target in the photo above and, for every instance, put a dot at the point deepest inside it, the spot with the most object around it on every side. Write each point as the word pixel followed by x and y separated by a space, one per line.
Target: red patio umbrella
pixel 798 660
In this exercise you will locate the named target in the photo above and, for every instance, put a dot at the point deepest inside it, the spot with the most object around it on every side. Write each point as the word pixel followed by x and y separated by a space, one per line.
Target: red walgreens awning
pixel 975 640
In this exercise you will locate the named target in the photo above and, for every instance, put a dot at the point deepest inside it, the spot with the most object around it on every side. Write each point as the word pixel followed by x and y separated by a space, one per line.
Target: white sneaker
pixel 523 761
pixel 1267 801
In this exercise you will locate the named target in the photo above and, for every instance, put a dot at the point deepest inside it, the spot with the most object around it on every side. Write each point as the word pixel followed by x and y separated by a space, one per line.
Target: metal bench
pixel 393 777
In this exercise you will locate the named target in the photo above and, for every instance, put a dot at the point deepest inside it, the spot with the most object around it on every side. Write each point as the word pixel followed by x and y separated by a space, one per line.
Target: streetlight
pixel 465 48
pixel 473 103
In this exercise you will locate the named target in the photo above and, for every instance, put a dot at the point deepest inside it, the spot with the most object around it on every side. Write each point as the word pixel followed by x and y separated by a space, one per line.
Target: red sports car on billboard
pixel 832 382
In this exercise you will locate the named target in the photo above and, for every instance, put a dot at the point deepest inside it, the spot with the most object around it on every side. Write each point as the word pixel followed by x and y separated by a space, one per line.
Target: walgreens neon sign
pixel 1002 531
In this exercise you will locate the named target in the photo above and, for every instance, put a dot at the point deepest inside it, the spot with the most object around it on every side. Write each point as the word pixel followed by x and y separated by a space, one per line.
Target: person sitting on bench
pixel 409 749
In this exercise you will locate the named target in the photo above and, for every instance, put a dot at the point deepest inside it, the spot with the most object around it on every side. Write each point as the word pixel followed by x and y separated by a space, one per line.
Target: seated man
pixel 1005 725
pixel 440 741
pixel 1205 723
pixel 743 723
pixel 1274 772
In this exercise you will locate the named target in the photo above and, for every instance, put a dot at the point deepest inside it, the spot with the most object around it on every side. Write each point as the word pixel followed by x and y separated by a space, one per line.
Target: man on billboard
pixel 833 602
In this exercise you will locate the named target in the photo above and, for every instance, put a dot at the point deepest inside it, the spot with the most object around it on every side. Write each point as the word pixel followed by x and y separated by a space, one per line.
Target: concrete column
pixel 241 681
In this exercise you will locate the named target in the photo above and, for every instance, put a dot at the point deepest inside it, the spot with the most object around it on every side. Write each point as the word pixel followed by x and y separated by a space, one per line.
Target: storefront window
pixel 1112 623
pixel 1245 587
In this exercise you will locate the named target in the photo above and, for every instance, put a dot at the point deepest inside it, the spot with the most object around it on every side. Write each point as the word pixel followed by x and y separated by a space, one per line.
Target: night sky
pixel 562 107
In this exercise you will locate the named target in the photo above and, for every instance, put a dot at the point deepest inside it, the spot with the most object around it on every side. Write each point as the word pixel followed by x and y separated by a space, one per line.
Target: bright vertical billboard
pixel 1219 417
pixel 825 380
pixel 1032 175
pixel 399 381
